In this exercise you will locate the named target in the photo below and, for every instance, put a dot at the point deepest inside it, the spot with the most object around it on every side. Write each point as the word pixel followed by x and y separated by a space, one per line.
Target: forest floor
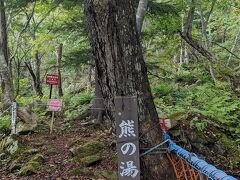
pixel 60 152
pixel 58 161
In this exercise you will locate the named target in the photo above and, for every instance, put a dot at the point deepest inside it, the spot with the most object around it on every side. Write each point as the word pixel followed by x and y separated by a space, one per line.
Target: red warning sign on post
pixel 52 79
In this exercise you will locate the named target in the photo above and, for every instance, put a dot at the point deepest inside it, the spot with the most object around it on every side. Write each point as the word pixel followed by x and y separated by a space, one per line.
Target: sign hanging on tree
pixel 52 79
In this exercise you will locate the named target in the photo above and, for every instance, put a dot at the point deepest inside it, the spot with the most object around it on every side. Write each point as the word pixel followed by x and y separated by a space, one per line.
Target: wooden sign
pixel 127 138
pixel 52 79
pixel 54 105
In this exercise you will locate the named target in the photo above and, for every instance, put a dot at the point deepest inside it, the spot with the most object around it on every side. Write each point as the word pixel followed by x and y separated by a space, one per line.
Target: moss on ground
pixel 110 175
pixel 89 149
pixel 90 160
pixel 52 150
pixel 115 159
pixel 76 141
pixel 81 172
pixel 31 166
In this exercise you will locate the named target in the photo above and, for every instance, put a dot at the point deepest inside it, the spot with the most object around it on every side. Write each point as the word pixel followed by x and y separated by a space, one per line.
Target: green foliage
pixel 200 125
pixel 78 100
pixel 77 56
pixel 76 104
pixel 15 4
pixel 69 4
pixel 216 103
pixel 25 101
pixel 162 89
pixel 161 8
pixel 82 99
pixel 185 76
pixel 5 123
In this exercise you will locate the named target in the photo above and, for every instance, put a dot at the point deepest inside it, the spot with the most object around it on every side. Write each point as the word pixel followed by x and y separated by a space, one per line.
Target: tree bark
pixel 5 67
pixel 141 11
pixel 189 20
pixel 122 72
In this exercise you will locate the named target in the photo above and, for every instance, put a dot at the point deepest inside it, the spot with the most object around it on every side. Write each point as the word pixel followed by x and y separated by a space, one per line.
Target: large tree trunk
pixel 122 72
pixel 141 11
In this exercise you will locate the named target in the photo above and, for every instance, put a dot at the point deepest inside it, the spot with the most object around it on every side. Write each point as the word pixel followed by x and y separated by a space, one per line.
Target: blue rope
pixel 200 165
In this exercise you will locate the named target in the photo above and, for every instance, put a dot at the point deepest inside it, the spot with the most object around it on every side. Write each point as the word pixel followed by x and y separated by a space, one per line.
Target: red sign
pixel 54 105
pixel 163 124
pixel 52 79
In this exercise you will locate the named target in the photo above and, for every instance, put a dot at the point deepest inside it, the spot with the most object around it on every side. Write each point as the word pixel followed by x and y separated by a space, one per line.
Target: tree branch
pixel 210 12
pixel 236 56
pixel 195 45
pixel 30 69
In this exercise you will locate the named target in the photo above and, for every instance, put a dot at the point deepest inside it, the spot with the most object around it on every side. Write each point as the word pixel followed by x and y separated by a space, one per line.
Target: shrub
pixel 162 89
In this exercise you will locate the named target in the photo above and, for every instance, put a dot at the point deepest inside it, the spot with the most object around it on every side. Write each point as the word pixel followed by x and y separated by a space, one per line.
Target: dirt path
pixel 58 162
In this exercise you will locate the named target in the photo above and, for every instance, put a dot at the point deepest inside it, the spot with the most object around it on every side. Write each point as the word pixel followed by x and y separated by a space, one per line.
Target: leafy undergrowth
pixel 49 156
pixel 205 118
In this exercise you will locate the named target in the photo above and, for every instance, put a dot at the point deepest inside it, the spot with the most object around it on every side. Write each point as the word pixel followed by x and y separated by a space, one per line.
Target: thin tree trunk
pixel 122 72
pixel 30 69
pixel 36 75
pixel 204 30
pixel 37 83
pixel 18 64
pixel 186 56
pixel 187 29
pixel 181 52
pixel 59 58
pixel 141 11
pixel 233 48
pixel 5 66
pixel 204 23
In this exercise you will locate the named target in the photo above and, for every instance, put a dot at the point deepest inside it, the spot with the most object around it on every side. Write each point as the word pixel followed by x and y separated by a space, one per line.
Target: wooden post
pixel 51 125
pixel 50 94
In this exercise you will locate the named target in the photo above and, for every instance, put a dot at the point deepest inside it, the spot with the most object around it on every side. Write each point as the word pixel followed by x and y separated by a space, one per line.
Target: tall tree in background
pixel 121 71
pixel 5 67
pixel 141 11
pixel 59 55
